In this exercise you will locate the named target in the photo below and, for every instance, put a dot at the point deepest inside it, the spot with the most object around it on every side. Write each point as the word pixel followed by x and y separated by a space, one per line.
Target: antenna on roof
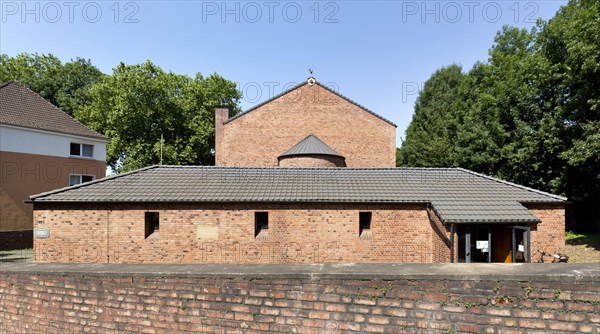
pixel 161 147
pixel 310 70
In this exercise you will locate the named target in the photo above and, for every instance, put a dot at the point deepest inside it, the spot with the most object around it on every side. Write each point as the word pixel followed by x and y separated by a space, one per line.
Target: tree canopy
pixel 134 106
pixel 64 85
pixel 529 114
pixel 138 104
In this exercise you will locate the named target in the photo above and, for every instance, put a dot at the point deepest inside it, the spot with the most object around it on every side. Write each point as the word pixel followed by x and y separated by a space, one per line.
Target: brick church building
pixel 308 176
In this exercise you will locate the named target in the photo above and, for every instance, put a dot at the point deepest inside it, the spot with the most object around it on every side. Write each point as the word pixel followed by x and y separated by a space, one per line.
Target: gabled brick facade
pixel 257 137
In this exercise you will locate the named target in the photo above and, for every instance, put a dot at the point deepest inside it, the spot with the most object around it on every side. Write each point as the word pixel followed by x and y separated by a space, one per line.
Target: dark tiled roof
pixel 20 106
pixel 457 195
pixel 311 145
pixel 300 85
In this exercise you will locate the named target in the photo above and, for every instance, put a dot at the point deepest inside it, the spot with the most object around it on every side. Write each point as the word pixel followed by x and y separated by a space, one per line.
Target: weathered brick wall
pixel 44 302
pixel 549 235
pixel 259 137
pixel 224 233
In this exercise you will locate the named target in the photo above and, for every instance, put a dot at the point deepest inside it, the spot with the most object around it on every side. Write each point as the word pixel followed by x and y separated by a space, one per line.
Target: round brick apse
pixel 312 161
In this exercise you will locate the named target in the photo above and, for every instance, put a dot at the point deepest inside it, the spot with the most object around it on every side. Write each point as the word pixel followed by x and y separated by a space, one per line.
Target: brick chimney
pixel 221 115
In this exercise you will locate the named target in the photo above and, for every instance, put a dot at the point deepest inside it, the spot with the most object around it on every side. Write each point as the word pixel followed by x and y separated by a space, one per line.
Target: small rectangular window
pixel 82 150
pixel 75 149
pixel 78 178
pixel 87 150
pixel 261 224
pixel 365 224
pixel 152 223
pixel 87 178
pixel 74 179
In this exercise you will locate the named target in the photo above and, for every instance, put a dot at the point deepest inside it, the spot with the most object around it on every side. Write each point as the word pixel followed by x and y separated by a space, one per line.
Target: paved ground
pixel 21 261
pixel 456 271
pixel 24 255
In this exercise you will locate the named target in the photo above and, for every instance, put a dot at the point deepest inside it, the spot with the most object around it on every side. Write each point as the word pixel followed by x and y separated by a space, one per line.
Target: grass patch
pixel 15 250
pixel 589 238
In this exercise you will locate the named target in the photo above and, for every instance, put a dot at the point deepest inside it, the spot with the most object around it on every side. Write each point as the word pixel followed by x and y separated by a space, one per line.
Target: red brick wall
pixel 441 238
pixel 549 235
pixel 312 161
pixel 259 137
pixel 166 303
pixel 225 234
pixel 298 233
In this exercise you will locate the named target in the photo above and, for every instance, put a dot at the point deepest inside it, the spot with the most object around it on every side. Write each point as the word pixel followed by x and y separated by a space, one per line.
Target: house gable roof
pixel 310 145
pixel 300 85
pixel 22 107
pixel 456 195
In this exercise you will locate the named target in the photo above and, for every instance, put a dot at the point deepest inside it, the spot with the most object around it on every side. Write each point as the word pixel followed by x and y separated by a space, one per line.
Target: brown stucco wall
pixel 22 175
pixel 260 136
pixel 298 233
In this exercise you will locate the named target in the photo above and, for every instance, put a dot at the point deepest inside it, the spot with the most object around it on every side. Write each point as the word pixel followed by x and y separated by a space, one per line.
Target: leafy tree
pixel 64 85
pixel 39 72
pixel 74 82
pixel 570 43
pixel 430 136
pixel 530 114
pixel 139 103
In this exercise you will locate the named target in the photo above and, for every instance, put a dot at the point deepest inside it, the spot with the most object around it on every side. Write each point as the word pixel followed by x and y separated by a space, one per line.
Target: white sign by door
pixel 483 245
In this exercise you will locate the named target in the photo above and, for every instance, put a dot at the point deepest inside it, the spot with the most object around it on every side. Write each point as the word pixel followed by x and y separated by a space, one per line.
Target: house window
pixel 151 223
pixel 261 224
pixel 78 178
pixel 364 224
pixel 82 150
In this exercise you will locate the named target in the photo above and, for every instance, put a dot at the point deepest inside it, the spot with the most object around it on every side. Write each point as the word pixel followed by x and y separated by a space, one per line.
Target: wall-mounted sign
pixel 41 232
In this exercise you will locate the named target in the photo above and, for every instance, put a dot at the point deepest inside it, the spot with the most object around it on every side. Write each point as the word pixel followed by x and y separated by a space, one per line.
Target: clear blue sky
pixel 375 52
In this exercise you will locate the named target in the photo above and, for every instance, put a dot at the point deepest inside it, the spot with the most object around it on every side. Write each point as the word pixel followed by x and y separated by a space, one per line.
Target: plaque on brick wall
pixel 41 232
pixel 208 232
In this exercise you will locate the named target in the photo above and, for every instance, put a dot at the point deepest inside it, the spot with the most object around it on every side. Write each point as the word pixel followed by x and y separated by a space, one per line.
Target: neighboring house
pixel 292 199
pixel 41 148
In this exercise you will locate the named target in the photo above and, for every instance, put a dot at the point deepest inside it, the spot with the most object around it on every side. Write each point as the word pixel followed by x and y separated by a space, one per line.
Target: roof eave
pixel 99 138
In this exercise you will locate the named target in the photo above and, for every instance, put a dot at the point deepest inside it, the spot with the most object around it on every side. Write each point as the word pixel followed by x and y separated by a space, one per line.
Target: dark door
pixel 474 243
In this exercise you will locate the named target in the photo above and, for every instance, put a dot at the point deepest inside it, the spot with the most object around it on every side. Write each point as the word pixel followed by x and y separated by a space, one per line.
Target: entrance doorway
pixel 492 243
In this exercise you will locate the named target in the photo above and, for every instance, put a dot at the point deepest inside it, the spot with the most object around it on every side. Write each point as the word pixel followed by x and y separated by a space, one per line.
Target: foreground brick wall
pixel 260 136
pixel 121 302
pixel 225 234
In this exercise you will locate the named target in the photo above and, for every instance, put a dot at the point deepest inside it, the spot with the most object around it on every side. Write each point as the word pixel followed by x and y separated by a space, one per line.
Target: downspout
pixel 452 227
pixel 107 235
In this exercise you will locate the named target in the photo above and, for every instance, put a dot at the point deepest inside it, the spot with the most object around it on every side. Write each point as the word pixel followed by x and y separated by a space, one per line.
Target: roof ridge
pixel 80 185
pixel 306 83
pixel 303 168
pixel 513 184
pixel 22 85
